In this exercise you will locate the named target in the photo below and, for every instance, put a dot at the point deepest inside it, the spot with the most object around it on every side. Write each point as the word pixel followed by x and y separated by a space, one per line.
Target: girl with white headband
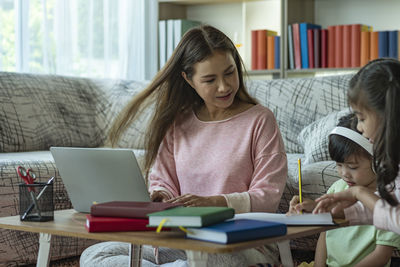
pixel 355 245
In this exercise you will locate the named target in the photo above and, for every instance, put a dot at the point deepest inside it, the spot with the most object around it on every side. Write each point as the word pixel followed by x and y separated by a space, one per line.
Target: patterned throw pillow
pixel 314 137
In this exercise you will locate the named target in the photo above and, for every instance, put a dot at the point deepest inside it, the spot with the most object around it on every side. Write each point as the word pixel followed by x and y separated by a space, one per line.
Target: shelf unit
pixel 239 17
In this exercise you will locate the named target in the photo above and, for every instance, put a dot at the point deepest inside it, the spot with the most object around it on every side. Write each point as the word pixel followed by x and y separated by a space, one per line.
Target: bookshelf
pixel 237 18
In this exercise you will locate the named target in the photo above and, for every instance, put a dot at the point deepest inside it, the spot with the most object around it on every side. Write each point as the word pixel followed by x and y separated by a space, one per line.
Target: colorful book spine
pixel 373 54
pixel 277 50
pixel 339 46
pixel 317 48
pixel 261 49
pixel 331 46
pixel 304 42
pixel 290 47
pixel 310 48
pixel 383 47
pixel 393 44
pixel 365 48
pixel 296 45
pixel 270 52
pixel 346 54
pixel 254 49
pixel 324 48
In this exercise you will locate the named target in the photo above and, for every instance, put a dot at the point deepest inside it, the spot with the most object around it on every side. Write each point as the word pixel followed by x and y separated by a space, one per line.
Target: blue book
pixel 393 44
pixel 304 42
pixel 290 47
pixel 237 231
pixel 383 44
pixel 277 54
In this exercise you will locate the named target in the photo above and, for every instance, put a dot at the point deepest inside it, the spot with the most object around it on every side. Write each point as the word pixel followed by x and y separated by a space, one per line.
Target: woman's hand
pixel 189 200
pixel 296 207
pixel 159 196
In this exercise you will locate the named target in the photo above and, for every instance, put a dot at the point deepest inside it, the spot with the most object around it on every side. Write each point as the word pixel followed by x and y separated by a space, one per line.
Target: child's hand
pixel 296 207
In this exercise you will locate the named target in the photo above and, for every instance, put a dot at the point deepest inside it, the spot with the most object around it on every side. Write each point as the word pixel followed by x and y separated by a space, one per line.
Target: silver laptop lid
pixel 99 175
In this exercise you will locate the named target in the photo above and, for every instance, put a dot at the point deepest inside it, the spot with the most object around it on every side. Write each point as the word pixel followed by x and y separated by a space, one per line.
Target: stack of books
pixel 338 46
pixel 119 216
pixel 215 224
pixel 265 50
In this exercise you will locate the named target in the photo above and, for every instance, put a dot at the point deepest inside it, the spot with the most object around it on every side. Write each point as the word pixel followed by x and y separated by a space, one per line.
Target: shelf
pixel 262 72
pixel 321 70
pixel 203 2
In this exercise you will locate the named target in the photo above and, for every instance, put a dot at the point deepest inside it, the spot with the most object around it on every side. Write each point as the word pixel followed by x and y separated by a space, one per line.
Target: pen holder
pixel 36 202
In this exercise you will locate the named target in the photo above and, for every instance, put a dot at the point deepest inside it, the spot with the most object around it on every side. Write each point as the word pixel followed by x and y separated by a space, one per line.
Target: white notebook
pixel 300 219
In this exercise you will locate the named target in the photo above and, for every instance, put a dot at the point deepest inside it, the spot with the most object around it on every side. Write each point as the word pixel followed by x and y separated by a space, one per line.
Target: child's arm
pixel 320 252
pixel 307 205
pixel 379 257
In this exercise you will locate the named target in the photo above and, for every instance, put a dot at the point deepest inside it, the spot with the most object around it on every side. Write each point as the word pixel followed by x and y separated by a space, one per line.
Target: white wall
pixel 380 14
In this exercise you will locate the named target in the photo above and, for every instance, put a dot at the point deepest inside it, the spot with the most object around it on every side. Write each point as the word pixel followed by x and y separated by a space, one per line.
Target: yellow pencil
pixel 300 197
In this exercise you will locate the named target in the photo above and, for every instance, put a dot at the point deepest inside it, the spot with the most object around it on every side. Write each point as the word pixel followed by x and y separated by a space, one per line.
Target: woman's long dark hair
pixel 169 91
pixel 376 88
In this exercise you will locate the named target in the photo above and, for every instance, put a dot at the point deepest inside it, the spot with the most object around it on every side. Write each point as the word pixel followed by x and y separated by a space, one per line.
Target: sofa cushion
pixel 297 102
pixel 314 137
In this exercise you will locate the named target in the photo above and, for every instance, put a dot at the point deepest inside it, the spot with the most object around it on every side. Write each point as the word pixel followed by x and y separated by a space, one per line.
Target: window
pixel 93 38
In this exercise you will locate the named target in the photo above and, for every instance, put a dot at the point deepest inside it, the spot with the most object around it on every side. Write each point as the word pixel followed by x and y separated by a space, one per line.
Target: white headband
pixel 353 136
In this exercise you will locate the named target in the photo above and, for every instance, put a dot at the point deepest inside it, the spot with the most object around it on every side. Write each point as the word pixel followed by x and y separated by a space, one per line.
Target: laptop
pixel 99 175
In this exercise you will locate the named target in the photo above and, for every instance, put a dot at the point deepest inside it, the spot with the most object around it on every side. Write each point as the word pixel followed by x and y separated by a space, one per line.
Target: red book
pixel 346 59
pixel 129 209
pixel 365 48
pixel 324 48
pixel 339 46
pixel 331 46
pixel 270 52
pixel 116 224
pixel 261 49
pixel 355 45
pixel 296 45
pixel 373 52
pixel 310 47
pixel 254 50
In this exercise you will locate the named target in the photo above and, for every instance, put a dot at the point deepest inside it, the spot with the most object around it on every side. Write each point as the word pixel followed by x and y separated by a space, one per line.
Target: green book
pixel 190 216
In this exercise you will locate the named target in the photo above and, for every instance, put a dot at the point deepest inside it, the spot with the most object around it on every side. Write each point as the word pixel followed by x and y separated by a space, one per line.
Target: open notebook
pixel 301 219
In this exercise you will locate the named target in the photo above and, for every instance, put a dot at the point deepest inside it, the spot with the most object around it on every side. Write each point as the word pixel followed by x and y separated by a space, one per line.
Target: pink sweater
pixel 241 158
pixel 384 216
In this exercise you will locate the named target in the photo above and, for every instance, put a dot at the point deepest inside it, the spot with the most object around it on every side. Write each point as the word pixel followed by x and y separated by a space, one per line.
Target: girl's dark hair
pixel 169 92
pixel 376 89
pixel 340 147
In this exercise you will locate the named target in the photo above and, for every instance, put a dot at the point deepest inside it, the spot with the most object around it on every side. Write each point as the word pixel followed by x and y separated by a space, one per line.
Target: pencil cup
pixel 36 202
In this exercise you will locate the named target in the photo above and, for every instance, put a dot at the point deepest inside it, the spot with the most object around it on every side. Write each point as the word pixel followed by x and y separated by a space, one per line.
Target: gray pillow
pixel 314 137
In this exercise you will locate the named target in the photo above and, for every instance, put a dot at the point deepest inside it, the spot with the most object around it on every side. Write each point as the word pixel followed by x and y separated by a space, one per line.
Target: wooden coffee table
pixel 71 223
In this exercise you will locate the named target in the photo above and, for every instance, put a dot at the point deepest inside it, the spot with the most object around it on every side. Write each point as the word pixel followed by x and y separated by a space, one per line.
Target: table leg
pixel 135 255
pixel 285 253
pixel 196 258
pixel 43 259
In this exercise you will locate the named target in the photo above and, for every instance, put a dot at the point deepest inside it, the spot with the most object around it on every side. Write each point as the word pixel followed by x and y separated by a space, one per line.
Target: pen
pixel 29 209
pixel 300 197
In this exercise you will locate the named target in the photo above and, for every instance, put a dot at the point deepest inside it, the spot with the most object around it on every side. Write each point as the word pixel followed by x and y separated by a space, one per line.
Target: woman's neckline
pixel 226 119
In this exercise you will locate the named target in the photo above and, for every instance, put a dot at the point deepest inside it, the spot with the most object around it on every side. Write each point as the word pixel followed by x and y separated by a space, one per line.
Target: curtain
pixel 90 38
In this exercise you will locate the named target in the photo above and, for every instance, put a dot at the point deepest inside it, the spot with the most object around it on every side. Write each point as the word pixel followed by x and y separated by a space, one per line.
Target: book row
pixel 170 33
pixel 265 50
pixel 338 46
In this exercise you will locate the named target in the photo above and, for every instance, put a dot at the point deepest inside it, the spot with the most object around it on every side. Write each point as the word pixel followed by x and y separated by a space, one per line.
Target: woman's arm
pixel 379 257
pixel 320 252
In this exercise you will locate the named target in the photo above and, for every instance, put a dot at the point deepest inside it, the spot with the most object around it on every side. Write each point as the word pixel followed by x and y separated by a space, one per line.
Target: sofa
pixel 39 111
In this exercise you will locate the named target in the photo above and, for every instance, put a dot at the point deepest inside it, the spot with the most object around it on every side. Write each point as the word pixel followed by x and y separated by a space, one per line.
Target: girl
pixel 355 245
pixel 374 95
pixel 209 143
